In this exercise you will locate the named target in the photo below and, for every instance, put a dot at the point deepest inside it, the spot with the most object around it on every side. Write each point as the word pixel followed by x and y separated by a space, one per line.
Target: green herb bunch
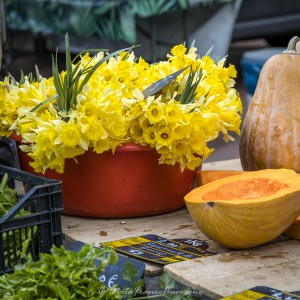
pixel 63 274
pixel 69 275
pixel 8 196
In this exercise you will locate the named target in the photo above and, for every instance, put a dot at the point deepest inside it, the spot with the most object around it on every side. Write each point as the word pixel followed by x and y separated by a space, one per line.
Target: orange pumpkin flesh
pixel 245 189
pixel 246 210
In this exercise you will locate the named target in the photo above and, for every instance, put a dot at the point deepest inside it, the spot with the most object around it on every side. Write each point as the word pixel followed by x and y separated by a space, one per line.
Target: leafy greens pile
pixel 8 196
pixel 63 274
pixel 69 275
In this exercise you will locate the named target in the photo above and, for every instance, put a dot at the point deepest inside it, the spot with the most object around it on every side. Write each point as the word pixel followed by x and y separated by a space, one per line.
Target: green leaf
pixel 113 257
pixel 3 211
pixel 189 94
pixel 61 290
pixel 42 103
pixel 146 8
pixel 139 284
pixel 106 7
pixel 166 282
pixel 3 182
pixel 8 196
pixel 127 27
pixel 129 272
pixel 160 84
pixel 82 20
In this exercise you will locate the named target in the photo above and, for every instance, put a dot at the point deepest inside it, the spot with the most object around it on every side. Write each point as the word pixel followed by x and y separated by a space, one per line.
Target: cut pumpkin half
pixel 248 209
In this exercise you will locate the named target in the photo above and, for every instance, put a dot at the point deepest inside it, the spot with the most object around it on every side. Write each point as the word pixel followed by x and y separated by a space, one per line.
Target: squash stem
pixel 291 48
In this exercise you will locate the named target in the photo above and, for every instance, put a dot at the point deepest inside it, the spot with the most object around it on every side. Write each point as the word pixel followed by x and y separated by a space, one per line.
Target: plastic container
pixel 40 202
pixel 252 63
pixel 128 183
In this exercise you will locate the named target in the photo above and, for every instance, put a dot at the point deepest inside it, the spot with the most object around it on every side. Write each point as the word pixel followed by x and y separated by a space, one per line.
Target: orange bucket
pixel 128 183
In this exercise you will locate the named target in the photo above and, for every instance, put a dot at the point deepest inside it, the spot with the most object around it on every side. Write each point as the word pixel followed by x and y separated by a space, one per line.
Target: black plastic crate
pixel 40 201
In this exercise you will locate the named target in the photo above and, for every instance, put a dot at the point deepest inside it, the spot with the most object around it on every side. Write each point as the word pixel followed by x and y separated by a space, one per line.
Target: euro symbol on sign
pixel 113 280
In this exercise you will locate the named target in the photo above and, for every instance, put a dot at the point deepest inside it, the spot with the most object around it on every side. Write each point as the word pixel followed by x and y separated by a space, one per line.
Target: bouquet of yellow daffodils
pixel 103 101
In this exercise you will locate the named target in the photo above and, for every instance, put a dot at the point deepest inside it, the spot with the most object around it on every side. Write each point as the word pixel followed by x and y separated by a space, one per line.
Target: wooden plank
pixel 274 265
pixel 176 224
pixel 230 164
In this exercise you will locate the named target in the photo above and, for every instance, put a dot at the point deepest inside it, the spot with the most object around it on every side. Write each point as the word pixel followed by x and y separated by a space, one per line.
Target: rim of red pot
pixel 133 147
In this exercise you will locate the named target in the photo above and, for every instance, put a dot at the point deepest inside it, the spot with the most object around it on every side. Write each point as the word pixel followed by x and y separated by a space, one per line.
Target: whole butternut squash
pixel 246 210
pixel 270 135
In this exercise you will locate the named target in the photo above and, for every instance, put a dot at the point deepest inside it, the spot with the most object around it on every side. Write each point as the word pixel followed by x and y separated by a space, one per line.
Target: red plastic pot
pixel 128 183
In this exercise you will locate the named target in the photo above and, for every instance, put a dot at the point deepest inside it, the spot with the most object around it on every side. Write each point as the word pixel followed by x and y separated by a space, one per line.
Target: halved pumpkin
pixel 246 210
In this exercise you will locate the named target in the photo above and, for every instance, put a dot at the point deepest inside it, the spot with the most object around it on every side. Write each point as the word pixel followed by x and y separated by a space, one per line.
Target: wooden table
pixel 276 264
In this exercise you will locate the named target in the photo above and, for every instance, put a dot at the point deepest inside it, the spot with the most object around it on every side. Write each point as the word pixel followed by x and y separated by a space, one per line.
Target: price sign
pixel 263 293
pixel 160 250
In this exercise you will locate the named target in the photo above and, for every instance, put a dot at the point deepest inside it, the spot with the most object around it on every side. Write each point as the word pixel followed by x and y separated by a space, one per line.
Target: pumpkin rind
pixel 294 230
pixel 270 136
pixel 204 177
pixel 244 223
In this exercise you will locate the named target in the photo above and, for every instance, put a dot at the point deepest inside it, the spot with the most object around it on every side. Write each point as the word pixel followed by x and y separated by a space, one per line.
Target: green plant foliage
pixel 8 196
pixel 146 8
pixel 189 94
pixel 63 274
pixel 108 19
